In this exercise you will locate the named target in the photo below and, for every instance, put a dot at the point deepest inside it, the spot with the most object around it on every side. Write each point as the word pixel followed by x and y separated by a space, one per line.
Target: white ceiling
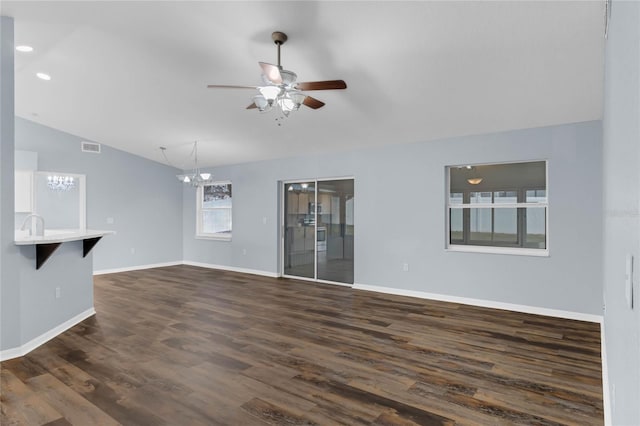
pixel 133 75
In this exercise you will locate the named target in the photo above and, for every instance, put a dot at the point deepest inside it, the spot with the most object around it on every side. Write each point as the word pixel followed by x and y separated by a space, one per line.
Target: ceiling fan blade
pixel 322 85
pixel 224 86
pixel 252 106
pixel 272 72
pixel 313 103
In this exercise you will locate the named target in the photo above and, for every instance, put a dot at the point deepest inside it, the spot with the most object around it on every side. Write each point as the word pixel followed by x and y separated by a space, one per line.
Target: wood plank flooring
pixel 190 346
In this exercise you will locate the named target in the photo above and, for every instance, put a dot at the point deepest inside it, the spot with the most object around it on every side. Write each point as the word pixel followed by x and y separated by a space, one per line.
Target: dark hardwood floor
pixel 189 346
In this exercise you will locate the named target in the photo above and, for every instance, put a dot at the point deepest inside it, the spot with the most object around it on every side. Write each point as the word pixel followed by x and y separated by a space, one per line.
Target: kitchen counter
pixel 47 244
pixel 58 236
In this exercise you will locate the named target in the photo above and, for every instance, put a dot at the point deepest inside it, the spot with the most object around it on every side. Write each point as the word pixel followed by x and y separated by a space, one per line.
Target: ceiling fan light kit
pixel 280 90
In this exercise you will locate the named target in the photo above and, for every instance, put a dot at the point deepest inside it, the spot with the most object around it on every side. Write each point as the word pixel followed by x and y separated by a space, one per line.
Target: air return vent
pixel 90 147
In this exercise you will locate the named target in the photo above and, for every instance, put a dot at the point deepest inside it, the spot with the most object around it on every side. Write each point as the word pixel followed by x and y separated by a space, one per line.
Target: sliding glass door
pixel 319 230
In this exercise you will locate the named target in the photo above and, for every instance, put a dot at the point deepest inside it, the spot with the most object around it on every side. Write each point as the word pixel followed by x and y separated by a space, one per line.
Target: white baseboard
pixel 484 303
pixel 232 269
pixel 606 395
pixel 190 263
pixel 45 337
pixel 387 290
pixel 137 267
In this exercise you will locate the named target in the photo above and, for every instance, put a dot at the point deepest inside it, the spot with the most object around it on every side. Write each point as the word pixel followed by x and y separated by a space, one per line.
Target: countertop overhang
pixel 47 244
pixel 61 237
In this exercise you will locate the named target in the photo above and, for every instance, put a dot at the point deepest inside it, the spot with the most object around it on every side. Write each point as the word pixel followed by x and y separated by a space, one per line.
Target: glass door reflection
pixel 299 229
pixel 335 230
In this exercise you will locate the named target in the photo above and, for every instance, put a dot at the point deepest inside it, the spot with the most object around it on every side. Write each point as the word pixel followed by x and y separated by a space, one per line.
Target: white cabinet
pixel 24 191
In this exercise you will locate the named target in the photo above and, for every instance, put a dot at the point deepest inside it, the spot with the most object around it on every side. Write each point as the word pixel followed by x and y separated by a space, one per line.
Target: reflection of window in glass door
pixel 319 230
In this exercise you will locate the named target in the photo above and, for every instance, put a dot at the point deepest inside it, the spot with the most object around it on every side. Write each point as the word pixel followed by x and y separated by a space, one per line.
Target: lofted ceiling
pixel 133 75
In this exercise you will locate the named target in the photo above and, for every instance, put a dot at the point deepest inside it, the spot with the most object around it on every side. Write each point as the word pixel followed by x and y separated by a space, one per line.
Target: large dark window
pixel 498 205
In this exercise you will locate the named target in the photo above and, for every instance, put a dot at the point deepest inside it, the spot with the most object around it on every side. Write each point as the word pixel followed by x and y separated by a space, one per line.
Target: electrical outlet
pixel 405 267
pixel 244 252
pixel 58 292
pixel 133 250
pixel 264 220
pixel 110 221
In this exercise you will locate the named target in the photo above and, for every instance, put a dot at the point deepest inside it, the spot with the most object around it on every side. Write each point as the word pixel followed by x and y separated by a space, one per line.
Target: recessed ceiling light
pixel 24 48
pixel 43 76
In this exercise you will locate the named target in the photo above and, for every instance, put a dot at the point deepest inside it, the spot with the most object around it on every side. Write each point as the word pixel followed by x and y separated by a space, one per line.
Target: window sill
pixel 499 250
pixel 214 237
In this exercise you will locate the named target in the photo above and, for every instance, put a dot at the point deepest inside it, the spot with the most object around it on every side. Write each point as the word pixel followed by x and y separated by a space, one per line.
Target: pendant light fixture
pixel 195 177
pixel 60 183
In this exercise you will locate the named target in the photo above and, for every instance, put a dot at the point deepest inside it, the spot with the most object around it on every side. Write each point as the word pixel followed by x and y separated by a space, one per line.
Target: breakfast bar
pixel 47 244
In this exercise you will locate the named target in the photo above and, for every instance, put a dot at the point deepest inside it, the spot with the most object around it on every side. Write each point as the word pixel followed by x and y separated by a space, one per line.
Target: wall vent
pixel 91 147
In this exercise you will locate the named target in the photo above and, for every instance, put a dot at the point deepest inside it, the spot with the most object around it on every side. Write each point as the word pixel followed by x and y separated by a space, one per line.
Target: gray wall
pixel 143 197
pixel 621 206
pixel 40 310
pixel 397 220
pixel 9 278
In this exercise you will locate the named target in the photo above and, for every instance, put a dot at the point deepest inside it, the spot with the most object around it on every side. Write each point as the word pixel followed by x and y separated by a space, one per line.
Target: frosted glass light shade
pixel 260 102
pixel 270 93
pixel 297 98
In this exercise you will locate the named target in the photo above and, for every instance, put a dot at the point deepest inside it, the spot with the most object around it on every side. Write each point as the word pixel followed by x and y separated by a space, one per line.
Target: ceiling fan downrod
pixel 279 38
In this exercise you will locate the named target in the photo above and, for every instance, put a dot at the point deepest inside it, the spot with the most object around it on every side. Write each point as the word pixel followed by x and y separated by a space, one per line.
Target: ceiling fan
pixel 280 89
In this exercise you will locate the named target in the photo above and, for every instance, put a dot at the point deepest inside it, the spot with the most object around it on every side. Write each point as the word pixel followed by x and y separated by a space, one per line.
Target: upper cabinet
pixel 24 191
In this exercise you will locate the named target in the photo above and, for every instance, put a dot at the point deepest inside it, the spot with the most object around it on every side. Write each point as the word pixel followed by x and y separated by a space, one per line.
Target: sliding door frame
pixel 281 236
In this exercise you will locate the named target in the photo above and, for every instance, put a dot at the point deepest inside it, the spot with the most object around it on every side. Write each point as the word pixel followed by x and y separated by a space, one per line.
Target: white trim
pixel 315 281
pixel 299 278
pixel 517 251
pixel 136 267
pixel 483 303
pixel 189 263
pixel 213 237
pixel 334 283
pixel 606 396
pixel 45 337
pixel 231 268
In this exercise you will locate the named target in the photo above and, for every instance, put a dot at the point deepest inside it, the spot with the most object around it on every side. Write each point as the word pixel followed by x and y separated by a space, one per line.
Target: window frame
pixel 200 210
pixel 468 246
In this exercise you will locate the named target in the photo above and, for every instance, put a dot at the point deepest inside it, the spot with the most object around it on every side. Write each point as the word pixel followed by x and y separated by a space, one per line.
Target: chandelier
pixel 195 177
pixel 61 183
